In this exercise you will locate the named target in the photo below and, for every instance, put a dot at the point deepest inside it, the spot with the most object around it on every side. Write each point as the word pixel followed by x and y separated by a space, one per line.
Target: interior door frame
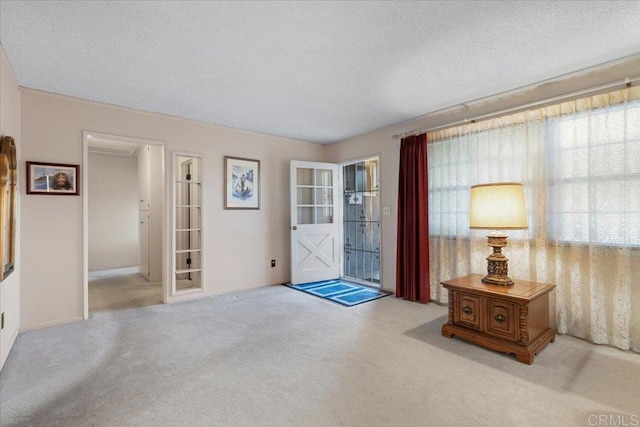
pixel 86 137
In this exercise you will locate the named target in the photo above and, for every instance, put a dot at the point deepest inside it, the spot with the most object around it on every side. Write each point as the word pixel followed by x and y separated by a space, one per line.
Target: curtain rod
pixel 626 82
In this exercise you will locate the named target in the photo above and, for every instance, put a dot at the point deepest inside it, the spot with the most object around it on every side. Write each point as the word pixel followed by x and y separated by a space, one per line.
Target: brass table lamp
pixel 498 206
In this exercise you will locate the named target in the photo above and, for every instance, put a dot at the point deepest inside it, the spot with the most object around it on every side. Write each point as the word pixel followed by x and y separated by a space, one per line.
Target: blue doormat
pixel 342 292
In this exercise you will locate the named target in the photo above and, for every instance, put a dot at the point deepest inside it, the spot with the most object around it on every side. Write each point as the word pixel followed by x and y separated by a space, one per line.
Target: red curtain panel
pixel 412 266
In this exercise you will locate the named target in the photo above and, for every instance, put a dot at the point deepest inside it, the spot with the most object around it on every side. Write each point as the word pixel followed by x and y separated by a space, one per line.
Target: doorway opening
pixel 120 288
pixel 123 222
pixel 361 222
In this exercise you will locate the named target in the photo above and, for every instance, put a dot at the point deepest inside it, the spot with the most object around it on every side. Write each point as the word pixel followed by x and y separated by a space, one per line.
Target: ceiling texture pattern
pixel 315 71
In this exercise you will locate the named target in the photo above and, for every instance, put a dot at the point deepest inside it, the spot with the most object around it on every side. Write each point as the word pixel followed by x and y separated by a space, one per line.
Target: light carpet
pixel 275 357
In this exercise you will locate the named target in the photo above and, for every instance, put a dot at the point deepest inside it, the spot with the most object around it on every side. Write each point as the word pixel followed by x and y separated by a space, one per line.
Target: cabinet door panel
pixel 467 310
pixel 501 318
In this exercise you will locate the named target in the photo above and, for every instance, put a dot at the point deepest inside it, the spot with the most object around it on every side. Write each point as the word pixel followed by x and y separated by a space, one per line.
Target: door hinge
pixel 2 321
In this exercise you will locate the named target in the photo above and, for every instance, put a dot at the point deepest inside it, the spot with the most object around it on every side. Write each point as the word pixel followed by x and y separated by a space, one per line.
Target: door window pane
pixel 324 177
pixel 324 215
pixel 314 191
pixel 304 176
pixel 305 196
pixel 305 215
pixel 324 196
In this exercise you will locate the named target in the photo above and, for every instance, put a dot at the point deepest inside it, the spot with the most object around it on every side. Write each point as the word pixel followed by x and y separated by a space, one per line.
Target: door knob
pixel 295 227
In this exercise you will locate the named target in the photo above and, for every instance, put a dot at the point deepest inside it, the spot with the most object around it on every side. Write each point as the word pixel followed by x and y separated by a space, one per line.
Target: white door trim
pixel 86 136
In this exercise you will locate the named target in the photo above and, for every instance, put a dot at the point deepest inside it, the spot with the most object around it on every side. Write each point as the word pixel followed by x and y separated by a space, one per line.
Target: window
pixel 457 163
pixel 594 176
pixel 581 173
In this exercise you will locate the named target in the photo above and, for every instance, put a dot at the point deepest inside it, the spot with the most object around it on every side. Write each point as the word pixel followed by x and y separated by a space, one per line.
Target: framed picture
pixel 241 183
pixel 52 178
pixel 8 180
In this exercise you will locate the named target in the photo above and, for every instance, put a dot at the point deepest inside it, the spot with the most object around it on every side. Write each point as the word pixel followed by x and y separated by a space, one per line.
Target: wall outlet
pixel 386 210
pixel 273 263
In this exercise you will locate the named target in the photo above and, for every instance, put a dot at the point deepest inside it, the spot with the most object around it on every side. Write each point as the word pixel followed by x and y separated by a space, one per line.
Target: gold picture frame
pixel 8 179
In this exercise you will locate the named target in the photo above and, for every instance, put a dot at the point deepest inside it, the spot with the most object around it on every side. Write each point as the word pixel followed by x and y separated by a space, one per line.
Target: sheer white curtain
pixel 580 164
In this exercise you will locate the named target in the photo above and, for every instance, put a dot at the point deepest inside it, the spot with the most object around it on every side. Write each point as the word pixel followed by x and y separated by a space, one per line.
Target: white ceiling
pixel 317 71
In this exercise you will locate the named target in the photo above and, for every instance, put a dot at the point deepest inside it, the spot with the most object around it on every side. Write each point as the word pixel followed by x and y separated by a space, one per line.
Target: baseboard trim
pixel 202 294
pixel 24 328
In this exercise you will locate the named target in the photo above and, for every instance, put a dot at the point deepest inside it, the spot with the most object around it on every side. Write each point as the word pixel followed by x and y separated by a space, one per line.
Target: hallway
pixel 121 288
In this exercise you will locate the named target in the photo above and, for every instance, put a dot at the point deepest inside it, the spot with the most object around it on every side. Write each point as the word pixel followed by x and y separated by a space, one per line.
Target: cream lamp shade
pixel 498 206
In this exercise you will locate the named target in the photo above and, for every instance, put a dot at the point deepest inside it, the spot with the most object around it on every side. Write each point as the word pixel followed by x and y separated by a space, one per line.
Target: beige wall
pixel 238 244
pixel 10 287
pixel 113 211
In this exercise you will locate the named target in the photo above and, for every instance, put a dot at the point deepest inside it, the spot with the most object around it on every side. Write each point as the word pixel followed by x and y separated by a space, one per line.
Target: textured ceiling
pixel 316 71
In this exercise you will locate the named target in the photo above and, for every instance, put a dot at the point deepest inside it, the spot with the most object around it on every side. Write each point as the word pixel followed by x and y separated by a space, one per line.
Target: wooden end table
pixel 511 319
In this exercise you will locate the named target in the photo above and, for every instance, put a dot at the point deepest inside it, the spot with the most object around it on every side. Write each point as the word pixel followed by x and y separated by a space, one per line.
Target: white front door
pixel 315 226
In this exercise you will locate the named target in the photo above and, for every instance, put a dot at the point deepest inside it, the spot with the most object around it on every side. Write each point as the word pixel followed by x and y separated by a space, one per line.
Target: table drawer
pixel 501 318
pixel 468 310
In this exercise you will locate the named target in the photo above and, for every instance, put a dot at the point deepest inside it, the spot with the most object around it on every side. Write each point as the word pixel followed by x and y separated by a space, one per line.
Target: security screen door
pixel 315 222
pixel 361 221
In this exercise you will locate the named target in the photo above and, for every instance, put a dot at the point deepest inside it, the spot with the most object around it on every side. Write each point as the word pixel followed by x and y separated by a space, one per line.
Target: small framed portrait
pixel 52 178
pixel 242 183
